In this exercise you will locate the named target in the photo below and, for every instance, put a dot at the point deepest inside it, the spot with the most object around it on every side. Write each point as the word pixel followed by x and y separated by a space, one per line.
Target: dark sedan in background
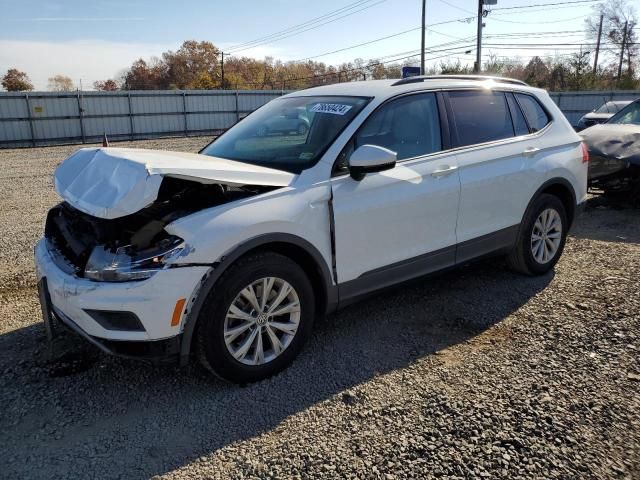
pixel 601 114
pixel 614 151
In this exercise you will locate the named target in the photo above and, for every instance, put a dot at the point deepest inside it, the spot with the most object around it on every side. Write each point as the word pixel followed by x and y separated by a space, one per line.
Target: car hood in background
pixel 115 182
pixel 597 116
pixel 614 141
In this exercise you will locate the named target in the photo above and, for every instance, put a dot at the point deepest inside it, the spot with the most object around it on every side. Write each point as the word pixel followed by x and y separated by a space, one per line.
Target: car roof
pixel 389 88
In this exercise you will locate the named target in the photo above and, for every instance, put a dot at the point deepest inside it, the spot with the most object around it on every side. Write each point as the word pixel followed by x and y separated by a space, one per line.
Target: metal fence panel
pixel 575 104
pixel 210 121
pixel 13 107
pixel 46 118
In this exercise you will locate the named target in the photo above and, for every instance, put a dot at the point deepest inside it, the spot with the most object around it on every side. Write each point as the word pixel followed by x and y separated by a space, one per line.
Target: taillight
pixel 585 153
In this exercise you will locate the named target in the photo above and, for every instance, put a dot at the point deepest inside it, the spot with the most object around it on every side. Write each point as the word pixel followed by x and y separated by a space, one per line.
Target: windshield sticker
pixel 333 108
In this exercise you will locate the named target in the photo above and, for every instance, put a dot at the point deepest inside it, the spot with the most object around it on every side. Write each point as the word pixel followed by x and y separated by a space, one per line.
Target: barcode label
pixel 333 108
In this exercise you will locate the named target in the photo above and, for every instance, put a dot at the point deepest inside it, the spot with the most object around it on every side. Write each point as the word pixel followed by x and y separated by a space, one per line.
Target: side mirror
pixel 369 159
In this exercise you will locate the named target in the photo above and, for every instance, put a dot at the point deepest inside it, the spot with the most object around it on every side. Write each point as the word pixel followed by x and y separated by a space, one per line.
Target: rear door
pixel 500 166
pixel 398 223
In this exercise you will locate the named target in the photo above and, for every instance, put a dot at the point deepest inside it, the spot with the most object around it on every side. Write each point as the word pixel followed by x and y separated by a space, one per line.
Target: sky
pixel 96 40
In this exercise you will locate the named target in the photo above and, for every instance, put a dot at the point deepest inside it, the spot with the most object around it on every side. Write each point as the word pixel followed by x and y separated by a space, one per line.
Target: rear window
pixel 536 117
pixel 480 116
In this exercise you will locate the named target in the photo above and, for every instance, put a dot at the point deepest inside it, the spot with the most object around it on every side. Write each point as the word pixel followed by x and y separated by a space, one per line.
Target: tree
pixel 146 76
pixel 454 68
pixel 106 85
pixel 60 83
pixel 615 14
pixel 579 76
pixel 16 81
pixel 537 73
pixel 190 62
pixel 203 82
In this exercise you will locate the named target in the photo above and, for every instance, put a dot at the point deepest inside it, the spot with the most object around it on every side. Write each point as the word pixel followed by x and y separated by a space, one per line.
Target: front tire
pixel 256 319
pixel 541 238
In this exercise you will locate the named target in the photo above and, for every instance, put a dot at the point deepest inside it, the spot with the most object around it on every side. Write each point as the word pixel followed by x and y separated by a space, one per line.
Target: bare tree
pixel 106 85
pixel 60 83
pixel 615 14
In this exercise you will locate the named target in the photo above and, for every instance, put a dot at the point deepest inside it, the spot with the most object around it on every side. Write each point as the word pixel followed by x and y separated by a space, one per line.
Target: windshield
pixel 612 107
pixel 628 115
pixel 608 107
pixel 288 134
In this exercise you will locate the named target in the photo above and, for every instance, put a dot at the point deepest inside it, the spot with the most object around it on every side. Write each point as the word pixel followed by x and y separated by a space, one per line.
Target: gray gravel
pixel 477 373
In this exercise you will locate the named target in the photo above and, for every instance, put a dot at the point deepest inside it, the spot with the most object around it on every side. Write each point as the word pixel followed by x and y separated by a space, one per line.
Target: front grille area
pixel 70 236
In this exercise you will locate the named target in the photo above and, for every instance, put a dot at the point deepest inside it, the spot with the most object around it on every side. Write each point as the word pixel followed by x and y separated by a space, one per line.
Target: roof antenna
pixel 105 140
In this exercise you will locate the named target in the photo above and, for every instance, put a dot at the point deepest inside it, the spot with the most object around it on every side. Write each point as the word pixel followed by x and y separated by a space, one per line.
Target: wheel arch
pixel 561 188
pixel 298 249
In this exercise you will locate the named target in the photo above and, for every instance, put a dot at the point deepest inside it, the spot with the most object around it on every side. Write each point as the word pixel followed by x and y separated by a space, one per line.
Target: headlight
pixel 127 263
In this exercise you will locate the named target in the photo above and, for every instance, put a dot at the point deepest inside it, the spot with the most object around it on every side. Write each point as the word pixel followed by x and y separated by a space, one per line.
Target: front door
pixel 400 223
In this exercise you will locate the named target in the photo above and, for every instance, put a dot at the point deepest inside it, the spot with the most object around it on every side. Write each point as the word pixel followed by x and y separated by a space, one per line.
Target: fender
pixel 220 266
pixel 550 183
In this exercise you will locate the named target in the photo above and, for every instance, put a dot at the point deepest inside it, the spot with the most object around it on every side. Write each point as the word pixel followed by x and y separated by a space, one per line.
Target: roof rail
pixel 479 78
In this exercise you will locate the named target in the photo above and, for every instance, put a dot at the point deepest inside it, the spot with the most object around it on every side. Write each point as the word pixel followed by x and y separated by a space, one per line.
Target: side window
pixel 480 116
pixel 409 126
pixel 535 114
pixel 519 123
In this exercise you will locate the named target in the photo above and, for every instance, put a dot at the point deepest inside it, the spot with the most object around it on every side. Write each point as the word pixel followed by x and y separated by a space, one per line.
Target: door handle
pixel 443 171
pixel 530 151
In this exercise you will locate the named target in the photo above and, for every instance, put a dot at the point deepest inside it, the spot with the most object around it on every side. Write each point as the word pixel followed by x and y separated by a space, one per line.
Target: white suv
pixel 233 252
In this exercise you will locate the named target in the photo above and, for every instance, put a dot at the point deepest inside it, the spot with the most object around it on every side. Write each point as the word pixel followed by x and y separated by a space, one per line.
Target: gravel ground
pixel 478 373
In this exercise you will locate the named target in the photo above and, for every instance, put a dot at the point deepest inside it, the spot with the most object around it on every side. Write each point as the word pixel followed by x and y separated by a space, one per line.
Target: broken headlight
pixel 129 263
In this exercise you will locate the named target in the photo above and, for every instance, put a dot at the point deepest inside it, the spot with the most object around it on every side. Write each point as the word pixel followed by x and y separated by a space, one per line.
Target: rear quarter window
pixel 536 117
pixel 480 116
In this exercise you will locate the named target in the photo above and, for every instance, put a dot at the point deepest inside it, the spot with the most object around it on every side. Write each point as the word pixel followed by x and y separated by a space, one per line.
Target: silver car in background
pixel 601 114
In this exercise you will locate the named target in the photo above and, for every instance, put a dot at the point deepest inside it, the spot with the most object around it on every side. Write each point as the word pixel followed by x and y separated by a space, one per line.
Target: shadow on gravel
pixel 609 219
pixel 117 419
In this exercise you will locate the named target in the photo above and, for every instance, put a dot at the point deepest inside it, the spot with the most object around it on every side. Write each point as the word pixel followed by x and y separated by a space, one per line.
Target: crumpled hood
pixel 115 182
pixel 616 141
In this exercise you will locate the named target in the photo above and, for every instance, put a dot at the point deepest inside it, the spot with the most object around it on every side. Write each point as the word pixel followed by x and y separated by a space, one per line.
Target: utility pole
pixel 478 66
pixel 624 41
pixel 222 67
pixel 481 3
pixel 595 62
pixel 424 27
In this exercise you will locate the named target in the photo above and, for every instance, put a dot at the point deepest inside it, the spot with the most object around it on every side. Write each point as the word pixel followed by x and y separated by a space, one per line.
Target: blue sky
pixel 94 40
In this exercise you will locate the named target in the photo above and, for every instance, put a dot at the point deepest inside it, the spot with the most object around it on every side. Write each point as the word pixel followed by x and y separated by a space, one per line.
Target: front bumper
pixel 68 298
pixel 151 350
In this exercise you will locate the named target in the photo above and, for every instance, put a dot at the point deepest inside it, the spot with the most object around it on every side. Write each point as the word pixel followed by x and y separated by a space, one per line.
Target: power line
pixel 297 31
pixel 544 5
pixel 308 22
pixel 385 38
pixel 537 23
pixel 359 44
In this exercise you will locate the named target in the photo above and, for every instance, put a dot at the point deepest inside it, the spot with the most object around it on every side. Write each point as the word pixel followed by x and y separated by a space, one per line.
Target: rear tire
pixel 541 238
pixel 237 303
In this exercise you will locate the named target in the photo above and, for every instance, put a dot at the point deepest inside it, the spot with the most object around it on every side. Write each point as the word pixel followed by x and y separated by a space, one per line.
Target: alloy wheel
pixel 262 321
pixel 546 236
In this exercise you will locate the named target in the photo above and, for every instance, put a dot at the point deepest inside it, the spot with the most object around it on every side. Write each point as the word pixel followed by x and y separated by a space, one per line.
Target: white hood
pixel 114 182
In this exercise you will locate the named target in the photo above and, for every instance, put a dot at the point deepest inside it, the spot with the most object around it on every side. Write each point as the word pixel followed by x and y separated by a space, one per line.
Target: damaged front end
pixel 135 246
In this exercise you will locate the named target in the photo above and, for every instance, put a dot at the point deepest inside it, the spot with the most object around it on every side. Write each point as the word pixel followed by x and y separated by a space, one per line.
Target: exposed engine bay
pixel 74 234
